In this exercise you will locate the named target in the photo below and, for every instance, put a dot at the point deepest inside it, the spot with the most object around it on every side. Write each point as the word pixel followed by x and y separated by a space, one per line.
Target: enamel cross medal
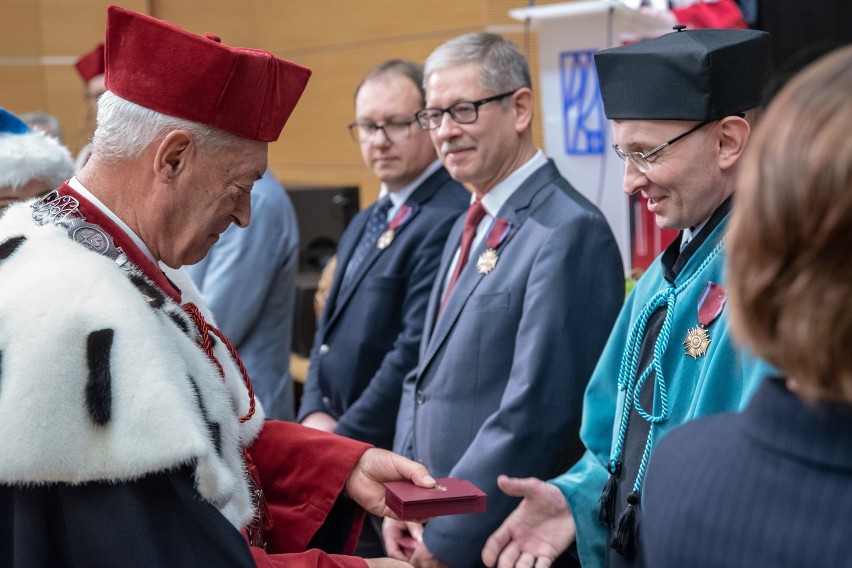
pixel 496 234
pixel 710 306
pixel 401 218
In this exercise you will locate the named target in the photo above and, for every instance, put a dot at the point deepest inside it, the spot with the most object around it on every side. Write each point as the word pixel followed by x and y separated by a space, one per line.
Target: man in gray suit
pixel 529 285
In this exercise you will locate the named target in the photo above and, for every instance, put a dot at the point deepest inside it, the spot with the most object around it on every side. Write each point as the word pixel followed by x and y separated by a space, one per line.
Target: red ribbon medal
pixel 710 306
pixel 496 235
pixel 402 217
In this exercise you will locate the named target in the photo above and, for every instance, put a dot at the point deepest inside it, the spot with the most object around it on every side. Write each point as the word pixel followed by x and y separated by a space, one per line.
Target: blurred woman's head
pixel 790 258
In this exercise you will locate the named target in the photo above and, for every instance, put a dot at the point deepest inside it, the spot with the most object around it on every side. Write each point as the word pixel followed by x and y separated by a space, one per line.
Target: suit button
pixel 421 398
pixel 326 402
pixel 323 349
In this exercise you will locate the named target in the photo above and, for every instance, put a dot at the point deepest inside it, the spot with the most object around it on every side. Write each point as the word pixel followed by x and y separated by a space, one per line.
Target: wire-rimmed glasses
pixel 463 112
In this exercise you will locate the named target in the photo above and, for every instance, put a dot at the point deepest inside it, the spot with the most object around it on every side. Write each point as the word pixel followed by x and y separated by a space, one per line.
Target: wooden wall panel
pixel 20 29
pixel 235 22
pixel 339 39
pixel 39 42
pixel 20 88
pixel 340 24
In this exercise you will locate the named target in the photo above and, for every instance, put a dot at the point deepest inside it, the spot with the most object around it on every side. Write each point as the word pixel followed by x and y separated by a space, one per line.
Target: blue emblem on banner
pixel 582 108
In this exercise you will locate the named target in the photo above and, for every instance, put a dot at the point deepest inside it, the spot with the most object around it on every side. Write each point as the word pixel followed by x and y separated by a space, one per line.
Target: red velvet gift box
pixel 450 496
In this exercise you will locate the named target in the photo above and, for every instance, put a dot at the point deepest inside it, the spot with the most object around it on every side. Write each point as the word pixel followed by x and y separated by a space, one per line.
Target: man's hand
pixel 377 467
pixel 422 558
pixel 401 538
pixel 320 421
pixel 386 563
pixel 537 532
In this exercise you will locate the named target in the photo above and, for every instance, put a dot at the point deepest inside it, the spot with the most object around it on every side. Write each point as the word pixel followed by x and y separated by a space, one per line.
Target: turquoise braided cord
pixel 646 454
pixel 630 362
pixel 659 383
pixel 659 380
pixel 628 367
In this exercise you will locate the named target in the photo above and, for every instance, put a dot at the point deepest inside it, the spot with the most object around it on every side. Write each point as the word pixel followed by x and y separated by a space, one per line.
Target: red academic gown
pixel 161 519
pixel 303 472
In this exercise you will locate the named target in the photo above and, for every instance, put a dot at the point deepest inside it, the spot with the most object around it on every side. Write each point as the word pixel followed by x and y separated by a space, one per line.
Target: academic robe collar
pixel 92 214
pixel 820 432
pixel 674 259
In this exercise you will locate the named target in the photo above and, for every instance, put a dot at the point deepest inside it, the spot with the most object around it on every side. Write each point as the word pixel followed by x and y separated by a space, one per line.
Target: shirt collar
pixel 75 184
pixel 398 198
pixel 690 232
pixel 494 200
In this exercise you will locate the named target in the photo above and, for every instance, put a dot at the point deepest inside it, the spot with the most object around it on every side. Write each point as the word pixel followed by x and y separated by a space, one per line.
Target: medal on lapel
pixel 401 218
pixel 487 261
pixel 710 306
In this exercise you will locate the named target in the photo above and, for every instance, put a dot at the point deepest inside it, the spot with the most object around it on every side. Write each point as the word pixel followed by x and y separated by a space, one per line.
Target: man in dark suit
pixel 529 285
pixel 369 333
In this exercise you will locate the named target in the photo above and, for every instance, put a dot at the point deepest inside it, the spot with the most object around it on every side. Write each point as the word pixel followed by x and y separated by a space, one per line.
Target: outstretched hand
pixel 376 467
pixel 537 532
pixel 401 538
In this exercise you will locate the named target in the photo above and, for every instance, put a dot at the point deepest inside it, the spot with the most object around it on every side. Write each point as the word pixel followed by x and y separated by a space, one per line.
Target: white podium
pixel 576 132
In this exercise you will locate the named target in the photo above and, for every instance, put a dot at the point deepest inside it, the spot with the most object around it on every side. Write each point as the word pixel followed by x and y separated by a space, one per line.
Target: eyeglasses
pixel 463 112
pixel 640 160
pixel 395 131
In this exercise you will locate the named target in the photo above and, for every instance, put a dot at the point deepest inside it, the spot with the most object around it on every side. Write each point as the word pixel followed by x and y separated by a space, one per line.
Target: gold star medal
pixel 710 306
pixel 401 218
pixel 497 233
pixel 697 342
pixel 487 261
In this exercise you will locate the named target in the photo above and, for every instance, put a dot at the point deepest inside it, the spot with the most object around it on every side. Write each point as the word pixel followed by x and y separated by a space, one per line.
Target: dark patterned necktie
pixel 376 225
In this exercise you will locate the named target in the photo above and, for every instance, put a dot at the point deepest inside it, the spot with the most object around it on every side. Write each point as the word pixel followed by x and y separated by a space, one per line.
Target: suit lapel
pixel 344 253
pixel 421 195
pixel 515 210
pixel 438 288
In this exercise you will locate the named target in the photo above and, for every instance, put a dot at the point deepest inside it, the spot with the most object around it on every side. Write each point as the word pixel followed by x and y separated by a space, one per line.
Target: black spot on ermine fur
pixel 99 384
pixel 9 246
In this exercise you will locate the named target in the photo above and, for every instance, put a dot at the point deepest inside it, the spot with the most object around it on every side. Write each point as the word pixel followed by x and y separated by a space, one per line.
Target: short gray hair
pixel 44 121
pixel 504 67
pixel 125 129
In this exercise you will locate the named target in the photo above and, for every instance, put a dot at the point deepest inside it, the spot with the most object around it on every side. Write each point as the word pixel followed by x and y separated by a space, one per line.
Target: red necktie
pixel 475 214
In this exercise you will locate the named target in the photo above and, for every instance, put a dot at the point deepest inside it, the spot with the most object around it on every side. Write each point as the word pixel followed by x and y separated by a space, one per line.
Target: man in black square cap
pixel 682 107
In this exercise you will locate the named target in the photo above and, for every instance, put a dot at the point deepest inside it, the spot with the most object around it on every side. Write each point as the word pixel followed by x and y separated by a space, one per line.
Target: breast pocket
pixel 386 283
pixel 490 302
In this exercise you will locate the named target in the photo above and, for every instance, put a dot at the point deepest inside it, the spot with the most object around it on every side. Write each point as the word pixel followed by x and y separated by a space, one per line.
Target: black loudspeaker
pixel 323 213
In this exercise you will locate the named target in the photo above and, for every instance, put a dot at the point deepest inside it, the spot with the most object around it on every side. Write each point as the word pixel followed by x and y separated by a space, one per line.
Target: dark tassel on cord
pixel 606 514
pixel 624 541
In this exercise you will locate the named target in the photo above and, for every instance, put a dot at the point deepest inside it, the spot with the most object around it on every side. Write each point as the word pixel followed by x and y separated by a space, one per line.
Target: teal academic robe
pixel 722 380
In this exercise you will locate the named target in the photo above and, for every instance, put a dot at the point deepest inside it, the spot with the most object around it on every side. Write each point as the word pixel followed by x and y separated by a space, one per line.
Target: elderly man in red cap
pixel 129 433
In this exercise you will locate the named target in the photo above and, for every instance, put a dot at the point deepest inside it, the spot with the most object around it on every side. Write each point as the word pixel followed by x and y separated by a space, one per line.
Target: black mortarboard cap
pixel 685 75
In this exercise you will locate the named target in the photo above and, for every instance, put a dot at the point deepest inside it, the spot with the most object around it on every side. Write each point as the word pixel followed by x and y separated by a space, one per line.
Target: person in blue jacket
pixel 248 280
pixel 682 106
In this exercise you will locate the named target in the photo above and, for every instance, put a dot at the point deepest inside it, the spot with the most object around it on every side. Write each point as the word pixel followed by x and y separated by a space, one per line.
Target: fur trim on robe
pixel 100 376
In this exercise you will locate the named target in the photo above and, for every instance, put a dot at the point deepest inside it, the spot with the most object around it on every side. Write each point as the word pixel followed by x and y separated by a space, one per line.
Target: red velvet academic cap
pixel 247 92
pixel 91 64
